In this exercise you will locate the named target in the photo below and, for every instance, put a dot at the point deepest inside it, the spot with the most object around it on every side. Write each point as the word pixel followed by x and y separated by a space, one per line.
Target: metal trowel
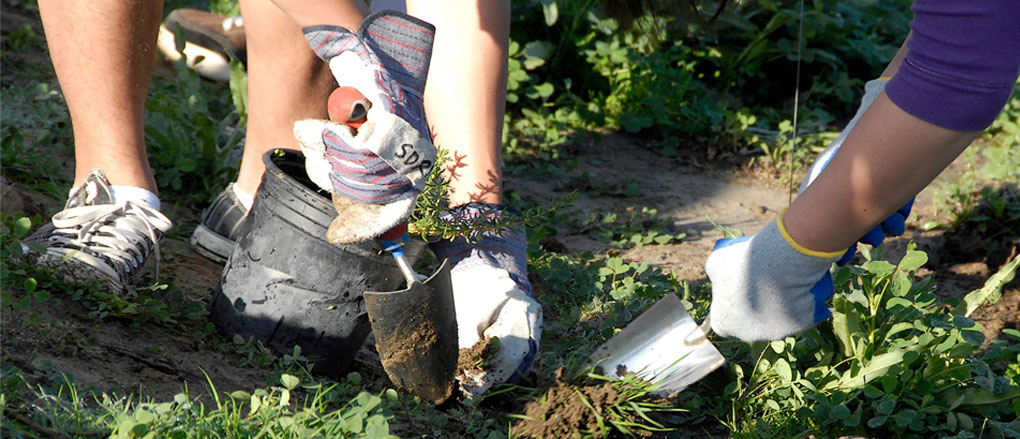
pixel 663 345
pixel 416 331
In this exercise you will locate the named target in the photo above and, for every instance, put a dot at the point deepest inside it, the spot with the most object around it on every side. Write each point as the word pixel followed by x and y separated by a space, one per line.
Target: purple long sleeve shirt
pixel 962 63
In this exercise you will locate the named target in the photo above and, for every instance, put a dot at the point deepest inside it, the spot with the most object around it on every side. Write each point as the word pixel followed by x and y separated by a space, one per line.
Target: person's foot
pixel 221 224
pixel 94 238
pixel 209 41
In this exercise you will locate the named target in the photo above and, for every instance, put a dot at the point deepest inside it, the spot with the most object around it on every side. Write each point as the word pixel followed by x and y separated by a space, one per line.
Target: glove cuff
pixel 800 248
pixel 505 249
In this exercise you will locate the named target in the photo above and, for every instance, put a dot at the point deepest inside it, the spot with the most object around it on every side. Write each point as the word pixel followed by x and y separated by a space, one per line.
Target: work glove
pixel 374 172
pixel 492 297
pixel 767 286
pixel 895 225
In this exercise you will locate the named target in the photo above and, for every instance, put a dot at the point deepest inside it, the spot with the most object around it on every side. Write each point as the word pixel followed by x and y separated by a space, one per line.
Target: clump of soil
pixel 474 358
pixel 561 412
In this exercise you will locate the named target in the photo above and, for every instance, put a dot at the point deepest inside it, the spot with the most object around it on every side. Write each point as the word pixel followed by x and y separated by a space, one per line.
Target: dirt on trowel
pixel 402 349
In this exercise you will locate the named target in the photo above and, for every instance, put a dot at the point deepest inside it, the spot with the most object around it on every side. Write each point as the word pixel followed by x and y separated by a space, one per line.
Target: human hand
pixel 492 298
pixel 766 286
pixel 373 166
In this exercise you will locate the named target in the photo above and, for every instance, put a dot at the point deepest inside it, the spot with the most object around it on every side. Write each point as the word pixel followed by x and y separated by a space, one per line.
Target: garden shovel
pixel 663 345
pixel 416 331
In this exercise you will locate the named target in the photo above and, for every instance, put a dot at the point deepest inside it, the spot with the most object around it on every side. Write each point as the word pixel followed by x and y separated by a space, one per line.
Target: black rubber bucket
pixel 285 285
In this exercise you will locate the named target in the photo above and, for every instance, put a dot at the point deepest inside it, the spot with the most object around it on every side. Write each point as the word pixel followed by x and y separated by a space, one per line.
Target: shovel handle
pixel 397 251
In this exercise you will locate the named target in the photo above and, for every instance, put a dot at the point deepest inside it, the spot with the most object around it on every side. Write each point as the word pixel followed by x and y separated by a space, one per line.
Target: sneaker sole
pixel 210 244
pixel 76 272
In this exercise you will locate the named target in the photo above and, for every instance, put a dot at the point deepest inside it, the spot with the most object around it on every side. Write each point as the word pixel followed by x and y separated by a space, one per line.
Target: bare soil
pixel 561 412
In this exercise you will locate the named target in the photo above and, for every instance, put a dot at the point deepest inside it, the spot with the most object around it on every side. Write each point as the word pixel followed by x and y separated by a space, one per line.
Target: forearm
pixel 962 62
pixel 465 95
pixel 886 160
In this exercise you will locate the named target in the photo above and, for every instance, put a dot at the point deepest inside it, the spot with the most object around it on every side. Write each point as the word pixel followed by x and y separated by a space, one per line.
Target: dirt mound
pixel 581 408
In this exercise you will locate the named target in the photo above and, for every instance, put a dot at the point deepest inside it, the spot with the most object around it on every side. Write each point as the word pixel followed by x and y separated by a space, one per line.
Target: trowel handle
pixel 397 250
pixel 701 333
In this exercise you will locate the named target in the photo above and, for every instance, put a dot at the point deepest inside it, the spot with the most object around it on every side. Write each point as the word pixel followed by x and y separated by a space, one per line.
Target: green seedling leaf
pixel 877 421
pixel 839 413
pixel 782 369
pixel 728 232
pixel 289 381
pixel 913 260
pixel 21 228
pixel 991 292
pixel 879 267
pixel 15 250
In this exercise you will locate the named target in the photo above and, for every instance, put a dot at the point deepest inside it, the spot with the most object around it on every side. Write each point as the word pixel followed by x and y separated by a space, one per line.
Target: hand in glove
pixel 492 297
pixel 375 172
pixel 895 225
pixel 766 286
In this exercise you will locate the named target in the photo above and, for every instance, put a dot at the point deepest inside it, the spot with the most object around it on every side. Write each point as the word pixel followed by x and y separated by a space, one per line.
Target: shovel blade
pixel 416 335
pixel 653 347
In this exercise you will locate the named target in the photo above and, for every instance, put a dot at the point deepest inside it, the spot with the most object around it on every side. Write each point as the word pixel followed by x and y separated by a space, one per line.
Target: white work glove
pixel 766 286
pixel 492 298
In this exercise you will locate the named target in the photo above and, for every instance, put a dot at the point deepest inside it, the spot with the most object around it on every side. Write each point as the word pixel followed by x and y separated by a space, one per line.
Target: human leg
pixel 102 53
pixel 286 82
pixel 103 58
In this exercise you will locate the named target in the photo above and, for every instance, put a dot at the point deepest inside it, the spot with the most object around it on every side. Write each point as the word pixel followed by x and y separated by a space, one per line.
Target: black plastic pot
pixel 285 285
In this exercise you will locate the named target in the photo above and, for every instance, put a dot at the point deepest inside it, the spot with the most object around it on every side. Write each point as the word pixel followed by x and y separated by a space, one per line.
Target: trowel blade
pixel 416 335
pixel 653 347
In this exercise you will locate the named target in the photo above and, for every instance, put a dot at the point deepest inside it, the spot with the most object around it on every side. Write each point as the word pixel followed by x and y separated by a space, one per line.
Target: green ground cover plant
pixel 687 83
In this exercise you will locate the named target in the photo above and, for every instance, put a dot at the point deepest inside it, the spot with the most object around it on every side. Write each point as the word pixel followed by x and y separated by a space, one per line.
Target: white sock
pixel 122 194
pixel 245 198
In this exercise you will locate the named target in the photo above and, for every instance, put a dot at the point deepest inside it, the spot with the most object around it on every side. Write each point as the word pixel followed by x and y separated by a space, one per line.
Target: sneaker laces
pixel 120 234
pixel 230 23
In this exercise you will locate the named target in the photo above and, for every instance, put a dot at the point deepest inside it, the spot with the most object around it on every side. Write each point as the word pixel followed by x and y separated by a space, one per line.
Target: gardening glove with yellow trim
pixel 766 286
pixel 895 225
pixel 492 297
pixel 375 172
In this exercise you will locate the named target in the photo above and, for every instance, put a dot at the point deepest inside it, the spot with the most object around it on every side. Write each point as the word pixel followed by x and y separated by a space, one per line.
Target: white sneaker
pixel 93 238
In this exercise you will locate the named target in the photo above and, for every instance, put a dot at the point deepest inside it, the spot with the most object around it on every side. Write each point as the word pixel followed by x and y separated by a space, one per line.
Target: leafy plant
pixel 893 362
pixel 193 137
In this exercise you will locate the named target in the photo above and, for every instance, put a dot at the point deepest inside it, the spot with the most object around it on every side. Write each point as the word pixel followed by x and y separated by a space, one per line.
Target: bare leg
pixel 465 95
pixel 286 82
pixel 102 53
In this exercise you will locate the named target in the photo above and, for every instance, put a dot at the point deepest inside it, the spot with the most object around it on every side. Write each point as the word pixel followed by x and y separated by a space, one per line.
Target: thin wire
pixel 796 104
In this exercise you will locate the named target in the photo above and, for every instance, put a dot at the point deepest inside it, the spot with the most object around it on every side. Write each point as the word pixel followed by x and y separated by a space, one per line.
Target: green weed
pixel 193 135
pixel 893 362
